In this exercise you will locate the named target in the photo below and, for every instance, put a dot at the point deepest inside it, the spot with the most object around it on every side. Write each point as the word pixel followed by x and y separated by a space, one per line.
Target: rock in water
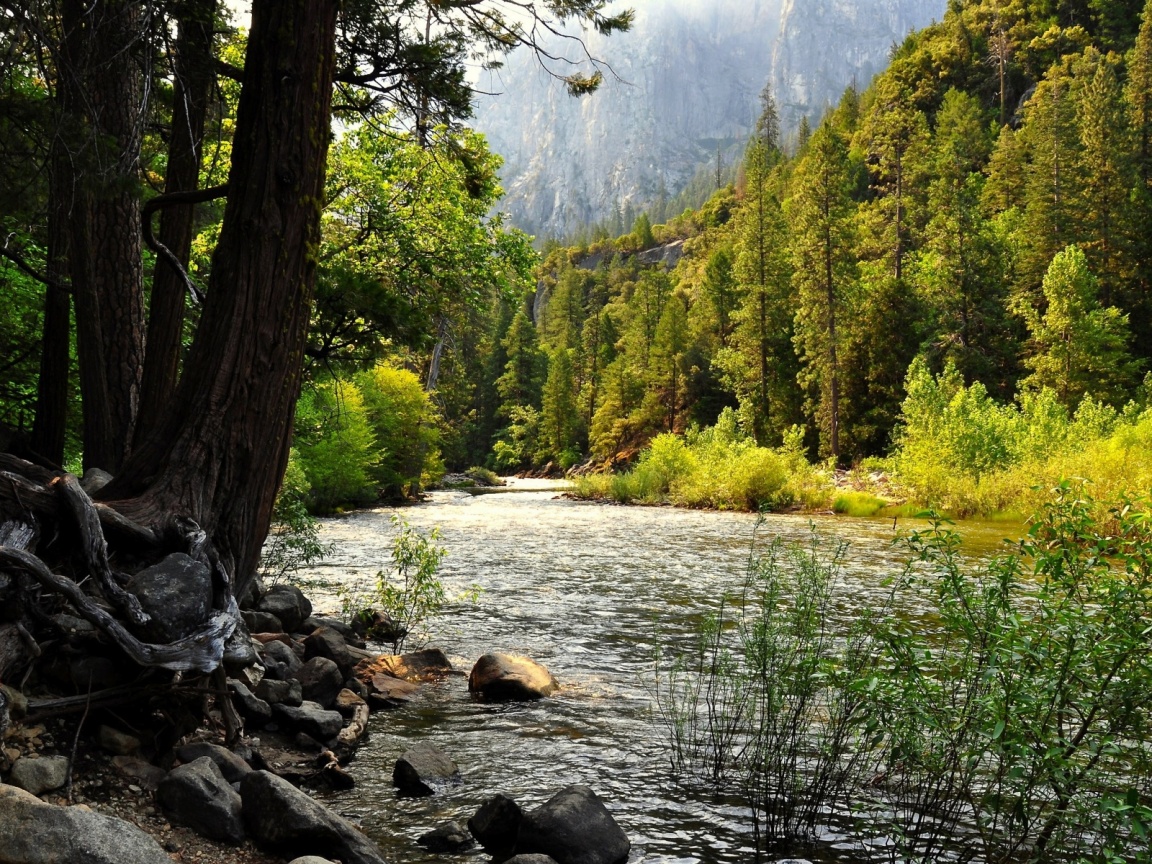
pixel 311 719
pixel 197 795
pixel 423 665
pixel 573 827
pixel 282 819
pixel 496 825
pixel 32 832
pixel 510 677
pixel 39 775
pixel 177 594
pixel 449 837
pixel 288 604
pixel 424 770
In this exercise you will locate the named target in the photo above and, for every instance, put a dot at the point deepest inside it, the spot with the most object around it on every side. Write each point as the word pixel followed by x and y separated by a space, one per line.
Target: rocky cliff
pixel 685 84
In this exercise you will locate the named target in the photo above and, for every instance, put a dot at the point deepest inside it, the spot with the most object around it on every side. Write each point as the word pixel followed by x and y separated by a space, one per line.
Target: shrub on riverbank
pixel 718 468
pixel 993 710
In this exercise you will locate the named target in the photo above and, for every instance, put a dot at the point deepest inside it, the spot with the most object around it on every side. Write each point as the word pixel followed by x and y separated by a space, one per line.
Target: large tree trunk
pixel 220 453
pixel 194 74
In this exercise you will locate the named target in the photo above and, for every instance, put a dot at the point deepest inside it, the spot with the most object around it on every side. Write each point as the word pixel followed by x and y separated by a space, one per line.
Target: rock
pixel 33 832
pixel 530 859
pixel 231 766
pixel 117 742
pixel 496 825
pixel 309 859
pixel 177 594
pixel 94 480
pixel 262 622
pixel 281 818
pixel 197 795
pixel 254 710
pixel 510 677
pixel 449 837
pixel 39 775
pixel 288 603
pixel 331 644
pixel 280 661
pixel 239 653
pixel 312 719
pixel 573 827
pixel 424 770
pixel 348 703
pixel 144 773
pixel 311 625
pixel 430 663
pixel 280 692
pixel 376 626
pixel 389 692
pixel 320 681
pixel 250 596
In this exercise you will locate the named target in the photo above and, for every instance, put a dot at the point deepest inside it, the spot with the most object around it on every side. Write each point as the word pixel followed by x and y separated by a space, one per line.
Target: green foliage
pixel 336 445
pixel 404 422
pixel 293 542
pixel 410 593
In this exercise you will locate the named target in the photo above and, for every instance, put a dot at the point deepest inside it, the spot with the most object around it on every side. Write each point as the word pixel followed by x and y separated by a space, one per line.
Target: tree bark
pixel 221 450
pixel 194 74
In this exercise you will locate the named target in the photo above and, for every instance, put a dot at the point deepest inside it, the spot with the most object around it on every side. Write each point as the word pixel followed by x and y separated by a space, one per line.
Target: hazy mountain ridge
pixel 689 77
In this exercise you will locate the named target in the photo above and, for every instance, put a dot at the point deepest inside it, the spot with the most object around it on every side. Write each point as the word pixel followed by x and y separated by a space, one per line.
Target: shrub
pixel 405 424
pixel 336 447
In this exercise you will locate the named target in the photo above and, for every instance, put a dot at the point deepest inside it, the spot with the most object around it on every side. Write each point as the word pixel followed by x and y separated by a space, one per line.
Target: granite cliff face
pixel 687 82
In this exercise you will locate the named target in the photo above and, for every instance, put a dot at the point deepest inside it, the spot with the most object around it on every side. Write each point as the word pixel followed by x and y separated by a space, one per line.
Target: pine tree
pixel 559 417
pixel 524 370
pixel 666 370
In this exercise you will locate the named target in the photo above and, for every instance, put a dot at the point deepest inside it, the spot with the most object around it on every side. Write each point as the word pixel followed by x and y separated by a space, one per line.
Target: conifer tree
pixel 559 418
pixel 524 369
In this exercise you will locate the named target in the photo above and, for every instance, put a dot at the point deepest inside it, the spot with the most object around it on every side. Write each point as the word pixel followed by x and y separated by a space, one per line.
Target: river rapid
pixel 589 590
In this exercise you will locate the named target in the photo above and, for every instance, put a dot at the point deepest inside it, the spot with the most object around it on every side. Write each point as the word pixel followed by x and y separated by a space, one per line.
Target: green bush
pixel 405 425
pixel 337 449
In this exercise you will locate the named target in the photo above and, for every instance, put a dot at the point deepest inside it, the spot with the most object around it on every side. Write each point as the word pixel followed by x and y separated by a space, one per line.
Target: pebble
pixel 132 787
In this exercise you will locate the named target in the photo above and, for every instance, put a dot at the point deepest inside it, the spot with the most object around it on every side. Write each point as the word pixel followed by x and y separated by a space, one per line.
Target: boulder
pixel 262 622
pixel 280 692
pixel 320 681
pixel 317 621
pixel 33 832
pixel 309 859
pixel 116 742
pixel 496 824
pixel 231 766
pixel 254 710
pixel 280 661
pixel 198 795
pixel 39 775
pixel 424 770
pixel 288 603
pixel 282 819
pixel 388 692
pixel 177 594
pixel 573 827
pixel 144 774
pixel 94 480
pixel 530 859
pixel 330 643
pixel 424 665
pixel 510 677
pixel 311 719
pixel 449 837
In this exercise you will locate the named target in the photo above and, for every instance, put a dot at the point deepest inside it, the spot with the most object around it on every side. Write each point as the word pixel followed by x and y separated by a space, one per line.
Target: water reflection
pixel 589 590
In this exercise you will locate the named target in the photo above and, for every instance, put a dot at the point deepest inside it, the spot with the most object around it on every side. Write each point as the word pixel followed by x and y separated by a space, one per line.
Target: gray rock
pixel 177 594
pixel 33 832
pixel 197 795
pixel 280 692
pixel 310 859
pixel 530 859
pixel 239 653
pixel 496 825
pixel 144 774
pixel 117 742
pixel 449 837
pixel 39 775
pixel 509 677
pixel 280 661
pixel 262 622
pixel 320 681
pixel 424 770
pixel 254 710
pixel 288 603
pixel 330 643
pixel 573 827
pixel 231 766
pixel 94 480
pixel 282 819
pixel 311 719
pixel 314 623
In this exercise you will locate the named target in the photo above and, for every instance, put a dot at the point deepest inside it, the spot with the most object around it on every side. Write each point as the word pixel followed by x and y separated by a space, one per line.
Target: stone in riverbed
pixel 256 711
pixel 280 661
pixel 496 825
pixel 311 719
pixel 320 681
pixel 280 692
pixel 423 665
pixel 309 859
pixel 231 765
pixel 573 827
pixel 332 644
pixel 449 837
pixel 37 833
pixel 177 594
pixel 262 622
pixel 39 775
pixel 388 692
pixel 282 819
pixel 501 677
pixel 117 742
pixel 198 795
pixel 424 770
pixel 288 603
pixel 530 859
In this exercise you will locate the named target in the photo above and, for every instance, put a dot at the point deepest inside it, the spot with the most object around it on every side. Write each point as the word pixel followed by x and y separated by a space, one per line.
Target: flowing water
pixel 589 590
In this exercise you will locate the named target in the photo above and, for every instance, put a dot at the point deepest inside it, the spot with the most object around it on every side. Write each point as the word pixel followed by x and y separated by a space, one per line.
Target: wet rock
pixel 573 827
pixel 280 661
pixel 280 692
pixel 317 621
pixel 254 710
pixel 137 770
pixel 311 719
pixel 230 764
pixel 320 681
pixel 496 824
pixel 198 795
pixel 423 771
pixel 288 603
pixel 39 775
pixel 530 859
pixel 329 643
pixel 177 594
pixel 449 837
pixel 509 677
pixel 262 622
pixel 424 665
pixel 117 742
pixel 282 819
pixel 37 833
pixel 389 692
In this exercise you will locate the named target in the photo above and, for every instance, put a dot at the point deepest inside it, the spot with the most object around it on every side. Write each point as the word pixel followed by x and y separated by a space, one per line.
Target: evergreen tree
pixel 667 372
pixel 524 370
pixel 559 417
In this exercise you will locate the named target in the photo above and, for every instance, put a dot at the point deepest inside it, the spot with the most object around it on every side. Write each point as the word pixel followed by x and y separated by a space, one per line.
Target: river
pixel 589 590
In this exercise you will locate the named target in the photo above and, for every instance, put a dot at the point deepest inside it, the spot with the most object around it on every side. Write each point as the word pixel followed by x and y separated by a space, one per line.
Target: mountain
pixel 684 86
